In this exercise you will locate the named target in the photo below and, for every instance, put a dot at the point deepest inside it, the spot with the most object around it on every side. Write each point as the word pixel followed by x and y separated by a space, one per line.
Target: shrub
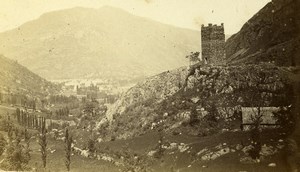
pixel 285 119
pixel 256 143
pixel 2 144
pixel 16 156
pixel 91 145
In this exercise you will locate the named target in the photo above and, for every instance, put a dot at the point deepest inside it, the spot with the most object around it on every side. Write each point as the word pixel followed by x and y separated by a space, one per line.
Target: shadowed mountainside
pixel 16 78
pixel 271 35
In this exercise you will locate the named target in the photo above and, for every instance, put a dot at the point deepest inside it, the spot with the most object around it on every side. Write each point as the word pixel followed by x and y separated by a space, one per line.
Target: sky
pixel 182 13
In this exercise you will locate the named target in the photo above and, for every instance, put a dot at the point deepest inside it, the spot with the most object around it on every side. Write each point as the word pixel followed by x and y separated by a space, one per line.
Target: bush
pixel 2 144
pixel 256 143
pixel 285 119
pixel 16 156
pixel 91 145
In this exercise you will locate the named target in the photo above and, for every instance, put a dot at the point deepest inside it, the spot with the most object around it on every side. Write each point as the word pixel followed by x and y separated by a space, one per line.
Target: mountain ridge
pixel 97 41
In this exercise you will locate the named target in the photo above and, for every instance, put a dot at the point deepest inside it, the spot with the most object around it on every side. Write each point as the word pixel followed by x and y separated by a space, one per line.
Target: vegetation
pixel 3 143
pixel 285 119
pixel 43 142
pixel 193 57
pixel 17 154
pixel 68 149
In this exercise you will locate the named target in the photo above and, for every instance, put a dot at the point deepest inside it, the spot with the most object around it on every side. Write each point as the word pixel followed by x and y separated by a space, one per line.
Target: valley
pixel 127 93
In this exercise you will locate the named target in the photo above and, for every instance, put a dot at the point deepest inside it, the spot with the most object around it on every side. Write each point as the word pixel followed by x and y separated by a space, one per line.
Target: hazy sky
pixel 182 13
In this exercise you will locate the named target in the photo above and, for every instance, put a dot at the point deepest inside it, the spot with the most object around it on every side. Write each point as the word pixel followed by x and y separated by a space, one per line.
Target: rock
pixel 205 157
pixel 225 130
pixel 107 158
pixel 215 155
pixel 247 160
pixel 272 165
pixel 189 166
pixel 85 153
pixel 173 145
pixel 195 99
pixel 267 150
pixel 280 146
pixel 219 146
pixel 247 148
pixel 183 147
pixel 99 140
pixel 202 151
pixel 151 153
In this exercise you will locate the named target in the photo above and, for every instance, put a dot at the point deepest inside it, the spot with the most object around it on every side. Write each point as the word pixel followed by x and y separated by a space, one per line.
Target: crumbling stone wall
pixel 213 43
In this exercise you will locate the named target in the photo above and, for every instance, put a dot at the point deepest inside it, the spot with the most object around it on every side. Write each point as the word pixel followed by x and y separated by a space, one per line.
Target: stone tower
pixel 213 43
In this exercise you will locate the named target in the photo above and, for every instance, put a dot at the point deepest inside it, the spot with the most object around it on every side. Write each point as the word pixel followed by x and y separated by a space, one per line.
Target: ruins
pixel 213 43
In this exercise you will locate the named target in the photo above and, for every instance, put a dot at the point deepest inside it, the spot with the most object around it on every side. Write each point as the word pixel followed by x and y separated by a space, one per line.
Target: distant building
pixel 213 44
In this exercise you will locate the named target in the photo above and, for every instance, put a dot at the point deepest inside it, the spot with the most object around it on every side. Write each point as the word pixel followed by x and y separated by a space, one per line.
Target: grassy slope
pixel 177 160
pixel 181 161
pixel 56 159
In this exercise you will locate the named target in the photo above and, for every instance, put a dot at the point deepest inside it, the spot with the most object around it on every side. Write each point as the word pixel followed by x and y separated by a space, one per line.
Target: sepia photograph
pixel 150 85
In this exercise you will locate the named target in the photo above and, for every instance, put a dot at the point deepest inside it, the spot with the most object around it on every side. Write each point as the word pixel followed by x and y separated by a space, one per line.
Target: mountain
pixel 98 43
pixel 17 79
pixel 271 35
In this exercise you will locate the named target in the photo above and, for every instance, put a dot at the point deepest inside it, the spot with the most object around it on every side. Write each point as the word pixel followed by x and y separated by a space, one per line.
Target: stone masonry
pixel 213 43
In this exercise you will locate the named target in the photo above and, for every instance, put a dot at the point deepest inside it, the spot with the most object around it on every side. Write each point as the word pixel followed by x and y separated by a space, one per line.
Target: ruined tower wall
pixel 213 43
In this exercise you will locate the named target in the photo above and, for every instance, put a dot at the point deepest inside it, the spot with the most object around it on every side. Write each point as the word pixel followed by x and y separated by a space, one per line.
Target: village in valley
pixel 231 106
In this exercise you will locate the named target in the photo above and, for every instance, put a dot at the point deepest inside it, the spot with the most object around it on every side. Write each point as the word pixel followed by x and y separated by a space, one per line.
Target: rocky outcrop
pixel 154 89
pixel 187 96
pixel 271 35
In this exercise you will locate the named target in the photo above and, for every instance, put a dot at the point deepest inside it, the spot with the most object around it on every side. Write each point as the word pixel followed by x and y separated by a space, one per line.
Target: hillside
pixel 154 88
pixel 271 35
pixel 15 78
pixel 98 43
pixel 179 96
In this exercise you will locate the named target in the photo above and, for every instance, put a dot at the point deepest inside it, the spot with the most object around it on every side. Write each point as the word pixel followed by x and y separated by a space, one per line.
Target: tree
pixel 68 149
pixel 27 144
pixel 257 97
pixel 16 157
pixel 2 144
pixel 43 141
pixel 285 119
pixel 9 127
pixel 193 57
pixel 159 147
